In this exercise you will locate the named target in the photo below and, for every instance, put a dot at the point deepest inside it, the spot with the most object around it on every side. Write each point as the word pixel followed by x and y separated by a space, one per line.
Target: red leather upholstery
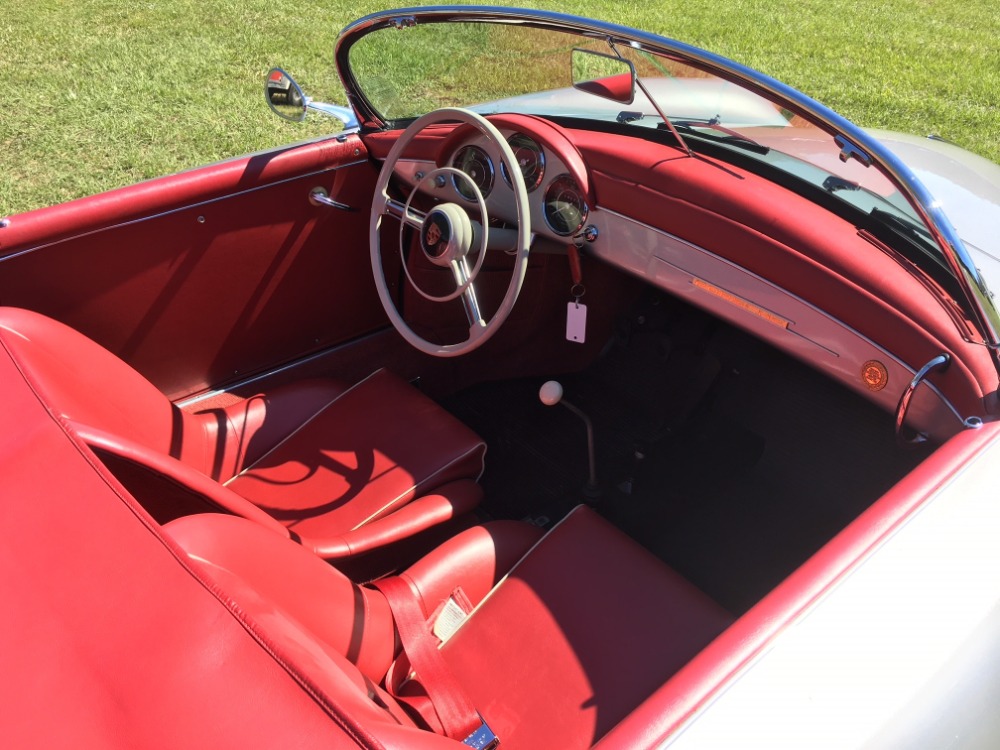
pixel 110 640
pixel 577 635
pixel 371 450
pixel 353 621
pixel 583 628
pixel 477 559
pixel 337 465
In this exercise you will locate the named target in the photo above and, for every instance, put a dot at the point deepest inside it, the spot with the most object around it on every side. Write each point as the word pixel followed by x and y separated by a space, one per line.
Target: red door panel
pixel 210 275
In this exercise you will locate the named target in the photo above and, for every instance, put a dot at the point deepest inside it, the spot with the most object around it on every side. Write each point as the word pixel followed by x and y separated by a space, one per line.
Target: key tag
pixel 576 316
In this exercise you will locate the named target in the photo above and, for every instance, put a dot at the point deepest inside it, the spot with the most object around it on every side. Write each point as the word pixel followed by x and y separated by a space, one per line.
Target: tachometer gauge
pixel 530 160
pixel 565 208
pixel 477 164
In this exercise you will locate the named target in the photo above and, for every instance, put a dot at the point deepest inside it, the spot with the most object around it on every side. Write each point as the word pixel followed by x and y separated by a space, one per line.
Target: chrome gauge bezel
pixel 519 141
pixel 562 187
pixel 462 187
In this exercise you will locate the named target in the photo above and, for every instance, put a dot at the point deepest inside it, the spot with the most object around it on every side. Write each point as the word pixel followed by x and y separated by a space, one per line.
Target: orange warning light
pixel 874 374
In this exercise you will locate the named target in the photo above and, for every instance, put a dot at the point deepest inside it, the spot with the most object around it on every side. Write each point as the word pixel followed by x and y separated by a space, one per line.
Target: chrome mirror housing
pixel 287 100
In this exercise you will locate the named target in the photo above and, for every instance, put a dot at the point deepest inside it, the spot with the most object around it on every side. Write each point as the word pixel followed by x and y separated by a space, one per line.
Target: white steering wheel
pixel 447 235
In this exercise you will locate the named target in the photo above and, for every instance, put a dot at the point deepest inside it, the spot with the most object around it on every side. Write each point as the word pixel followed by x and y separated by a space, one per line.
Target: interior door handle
pixel 319 197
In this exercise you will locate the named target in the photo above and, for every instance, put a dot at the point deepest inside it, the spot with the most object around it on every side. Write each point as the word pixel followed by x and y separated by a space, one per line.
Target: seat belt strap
pixel 452 704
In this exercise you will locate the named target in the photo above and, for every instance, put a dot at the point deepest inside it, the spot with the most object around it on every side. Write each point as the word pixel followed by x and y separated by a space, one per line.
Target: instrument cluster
pixel 563 205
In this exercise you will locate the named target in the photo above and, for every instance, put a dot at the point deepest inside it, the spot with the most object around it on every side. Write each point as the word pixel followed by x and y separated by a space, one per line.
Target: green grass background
pixel 95 94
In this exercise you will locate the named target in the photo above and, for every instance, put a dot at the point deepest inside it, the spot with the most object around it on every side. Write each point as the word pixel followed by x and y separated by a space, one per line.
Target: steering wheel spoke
pixel 410 216
pixel 470 302
pixel 447 237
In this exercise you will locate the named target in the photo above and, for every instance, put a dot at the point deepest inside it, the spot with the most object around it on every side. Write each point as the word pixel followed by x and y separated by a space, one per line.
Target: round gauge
pixel 530 160
pixel 476 163
pixel 565 208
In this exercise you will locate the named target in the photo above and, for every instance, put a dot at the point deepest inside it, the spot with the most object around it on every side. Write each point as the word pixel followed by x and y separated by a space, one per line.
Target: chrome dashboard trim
pixel 640 264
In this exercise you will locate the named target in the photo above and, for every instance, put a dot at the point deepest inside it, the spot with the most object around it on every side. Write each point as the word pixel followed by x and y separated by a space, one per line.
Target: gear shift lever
pixel 550 394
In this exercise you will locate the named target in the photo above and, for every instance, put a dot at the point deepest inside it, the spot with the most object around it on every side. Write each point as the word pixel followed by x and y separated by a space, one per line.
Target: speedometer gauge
pixel 477 164
pixel 530 160
pixel 565 208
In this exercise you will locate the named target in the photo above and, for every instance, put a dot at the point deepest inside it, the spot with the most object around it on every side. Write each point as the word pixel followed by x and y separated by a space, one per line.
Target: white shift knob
pixel 550 393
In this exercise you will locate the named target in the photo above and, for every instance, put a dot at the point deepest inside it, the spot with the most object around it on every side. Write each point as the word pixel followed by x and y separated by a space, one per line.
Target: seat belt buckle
pixel 482 738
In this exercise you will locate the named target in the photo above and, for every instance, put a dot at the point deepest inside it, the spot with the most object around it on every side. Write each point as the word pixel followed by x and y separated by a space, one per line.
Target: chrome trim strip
pixel 192 400
pixel 975 291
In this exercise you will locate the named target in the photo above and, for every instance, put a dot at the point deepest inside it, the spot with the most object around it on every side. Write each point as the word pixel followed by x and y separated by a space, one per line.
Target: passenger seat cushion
pixel 584 628
pixel 372 449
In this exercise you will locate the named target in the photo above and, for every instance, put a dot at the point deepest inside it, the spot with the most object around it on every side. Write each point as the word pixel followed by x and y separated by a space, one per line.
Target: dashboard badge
pixel 875 375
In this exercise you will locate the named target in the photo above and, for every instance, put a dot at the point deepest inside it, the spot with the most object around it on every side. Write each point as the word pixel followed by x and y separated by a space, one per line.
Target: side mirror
pixel 287 100
pixel 603 75
pixel 284 96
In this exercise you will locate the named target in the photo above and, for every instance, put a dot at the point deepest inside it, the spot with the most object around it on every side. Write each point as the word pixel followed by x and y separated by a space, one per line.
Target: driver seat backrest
pixel 343 468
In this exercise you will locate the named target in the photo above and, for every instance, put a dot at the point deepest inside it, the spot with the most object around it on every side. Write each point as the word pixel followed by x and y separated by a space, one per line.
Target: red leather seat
pixel 561 645
pixel 342 468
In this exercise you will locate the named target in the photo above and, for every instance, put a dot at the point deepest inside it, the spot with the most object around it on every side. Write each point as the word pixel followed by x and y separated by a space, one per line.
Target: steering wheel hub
pixel 447 234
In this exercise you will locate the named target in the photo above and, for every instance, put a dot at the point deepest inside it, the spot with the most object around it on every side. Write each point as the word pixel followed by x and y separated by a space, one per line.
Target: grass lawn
pixel 101 93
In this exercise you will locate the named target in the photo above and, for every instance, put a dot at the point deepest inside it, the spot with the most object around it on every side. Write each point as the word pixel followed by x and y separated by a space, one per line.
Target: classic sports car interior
pixel 532 420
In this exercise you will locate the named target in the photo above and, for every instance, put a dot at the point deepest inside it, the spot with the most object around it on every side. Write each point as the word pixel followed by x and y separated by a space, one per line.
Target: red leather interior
pixel 372 450
pixel 123 632
pixel 229 263
pixel 579 633
pixel 543 654
pixel 111 639
pixel 323 459
pixel 251 639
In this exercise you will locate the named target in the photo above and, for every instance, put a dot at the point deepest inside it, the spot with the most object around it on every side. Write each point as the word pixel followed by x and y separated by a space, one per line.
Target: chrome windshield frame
pixel 855 142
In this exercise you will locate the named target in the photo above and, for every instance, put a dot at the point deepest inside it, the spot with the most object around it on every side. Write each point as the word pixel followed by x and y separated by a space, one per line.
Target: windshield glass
pixel 497 67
